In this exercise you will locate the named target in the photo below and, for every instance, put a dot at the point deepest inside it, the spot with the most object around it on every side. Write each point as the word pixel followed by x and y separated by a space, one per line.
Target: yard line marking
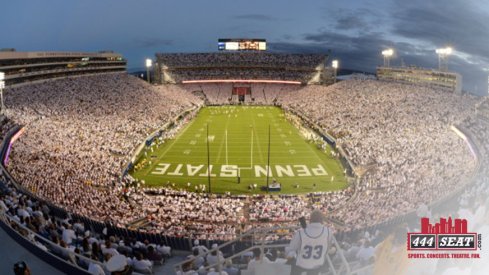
pixel 218 158
pixel 169 147
pixel 227 162
pixel 257 140
pixel 251 159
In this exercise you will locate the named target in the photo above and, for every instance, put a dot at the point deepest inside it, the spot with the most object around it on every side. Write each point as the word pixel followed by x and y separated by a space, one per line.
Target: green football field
pixel 238 154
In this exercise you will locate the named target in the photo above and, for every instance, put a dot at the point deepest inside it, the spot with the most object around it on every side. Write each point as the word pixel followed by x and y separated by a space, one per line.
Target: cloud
pixel 349 22
pixel 350 50
pixel 414 29
pixel 362 52
pixel 460 24
pixel 255 17
pixel 362 19
pixel 152 42
pixel 440 22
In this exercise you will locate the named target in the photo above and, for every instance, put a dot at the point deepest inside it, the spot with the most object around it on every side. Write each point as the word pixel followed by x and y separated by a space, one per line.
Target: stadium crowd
pixel 79 133
pixel 303 76
pixel 241 59
pixel 406 146
pixel 182 213
pixel 275 209
pixel 243 65
pixel 68 238
pixel 262 94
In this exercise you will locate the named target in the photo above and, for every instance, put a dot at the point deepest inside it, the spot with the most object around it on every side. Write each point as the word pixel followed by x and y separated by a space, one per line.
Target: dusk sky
pixel 355 31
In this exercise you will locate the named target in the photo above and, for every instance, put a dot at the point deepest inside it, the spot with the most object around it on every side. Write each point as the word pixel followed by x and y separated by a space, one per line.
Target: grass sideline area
pixel 238 145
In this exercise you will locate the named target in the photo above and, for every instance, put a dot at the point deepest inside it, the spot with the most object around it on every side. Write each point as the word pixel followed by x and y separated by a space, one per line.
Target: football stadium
pixel 211 162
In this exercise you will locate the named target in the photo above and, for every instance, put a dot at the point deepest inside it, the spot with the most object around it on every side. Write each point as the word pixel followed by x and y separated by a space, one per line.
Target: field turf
pixel 238 145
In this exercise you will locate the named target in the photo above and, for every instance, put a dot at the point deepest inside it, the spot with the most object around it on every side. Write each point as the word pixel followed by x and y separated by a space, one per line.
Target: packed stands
pixel 411 154
pixel 303 68
pixel 90 131
pixel 261 94
pixel 79 133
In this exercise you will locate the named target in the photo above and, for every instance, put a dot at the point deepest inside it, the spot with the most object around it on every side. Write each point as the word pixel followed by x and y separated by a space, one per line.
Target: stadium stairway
pixel 12 252
pixel 168 268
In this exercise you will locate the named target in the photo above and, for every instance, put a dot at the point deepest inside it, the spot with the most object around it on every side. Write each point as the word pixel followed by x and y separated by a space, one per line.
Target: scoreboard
pixel 242 44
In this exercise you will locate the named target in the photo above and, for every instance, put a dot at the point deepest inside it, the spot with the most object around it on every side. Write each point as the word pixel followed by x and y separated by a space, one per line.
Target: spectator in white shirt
pixel 140 264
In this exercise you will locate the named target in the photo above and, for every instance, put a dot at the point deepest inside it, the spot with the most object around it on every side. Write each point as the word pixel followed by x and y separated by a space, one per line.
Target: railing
pixel 257 238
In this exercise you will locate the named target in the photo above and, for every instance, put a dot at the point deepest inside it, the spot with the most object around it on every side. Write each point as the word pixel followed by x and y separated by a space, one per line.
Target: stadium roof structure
pixel 27 67
pixel 55 54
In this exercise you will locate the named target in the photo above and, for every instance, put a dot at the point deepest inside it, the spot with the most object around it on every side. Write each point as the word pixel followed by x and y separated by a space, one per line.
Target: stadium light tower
pixel 387 56
pixel 334 64
pixel 2 85
pixel 443 58
pixel 149 63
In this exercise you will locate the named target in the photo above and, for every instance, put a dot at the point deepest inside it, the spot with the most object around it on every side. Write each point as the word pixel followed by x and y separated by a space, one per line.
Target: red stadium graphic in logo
pixel 448 235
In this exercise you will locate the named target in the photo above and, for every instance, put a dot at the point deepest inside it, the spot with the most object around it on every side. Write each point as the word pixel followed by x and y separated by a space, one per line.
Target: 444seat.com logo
pixel 447 234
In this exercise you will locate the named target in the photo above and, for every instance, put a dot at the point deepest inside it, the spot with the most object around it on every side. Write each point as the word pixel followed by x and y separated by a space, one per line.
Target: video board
pixel 242 44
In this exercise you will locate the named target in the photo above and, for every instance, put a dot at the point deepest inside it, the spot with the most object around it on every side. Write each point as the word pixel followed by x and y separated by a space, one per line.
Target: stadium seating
pixel 304 68
pixel 80 132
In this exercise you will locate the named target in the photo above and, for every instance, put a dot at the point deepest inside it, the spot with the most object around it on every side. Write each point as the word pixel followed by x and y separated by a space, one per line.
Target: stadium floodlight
pixel 443 54
pixel 387 56
pixel 444 51
pixel 149 63
pixel 335 64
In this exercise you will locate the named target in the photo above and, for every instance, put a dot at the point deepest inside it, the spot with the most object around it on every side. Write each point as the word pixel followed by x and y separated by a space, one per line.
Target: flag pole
pixel 208 161
pixel 268 164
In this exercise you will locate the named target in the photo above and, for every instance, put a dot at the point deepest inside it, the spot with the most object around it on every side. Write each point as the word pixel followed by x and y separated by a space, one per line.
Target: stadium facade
pixel 450 81
pixel 20 67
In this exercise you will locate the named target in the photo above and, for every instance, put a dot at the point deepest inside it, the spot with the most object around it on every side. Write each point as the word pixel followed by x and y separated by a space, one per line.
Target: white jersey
pixel 313 249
